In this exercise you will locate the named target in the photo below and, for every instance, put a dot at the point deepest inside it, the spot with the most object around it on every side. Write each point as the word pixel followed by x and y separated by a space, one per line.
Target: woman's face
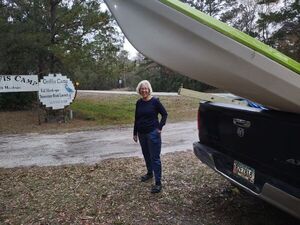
pixel 144 91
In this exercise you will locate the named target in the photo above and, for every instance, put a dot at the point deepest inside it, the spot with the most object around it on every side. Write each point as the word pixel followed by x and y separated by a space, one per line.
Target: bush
pixel 17 101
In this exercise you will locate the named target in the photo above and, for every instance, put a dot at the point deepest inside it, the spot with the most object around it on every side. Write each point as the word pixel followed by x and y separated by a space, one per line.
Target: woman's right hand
pixel 135 138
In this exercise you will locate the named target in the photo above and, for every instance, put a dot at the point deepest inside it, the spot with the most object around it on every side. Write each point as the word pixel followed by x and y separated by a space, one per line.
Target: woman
pixel 147 128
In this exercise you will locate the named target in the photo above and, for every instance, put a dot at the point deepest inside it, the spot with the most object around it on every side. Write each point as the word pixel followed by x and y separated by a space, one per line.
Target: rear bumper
pixel 268 192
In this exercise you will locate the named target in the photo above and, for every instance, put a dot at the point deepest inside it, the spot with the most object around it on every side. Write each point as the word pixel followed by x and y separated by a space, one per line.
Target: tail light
pixel 198 122
pixel 198 119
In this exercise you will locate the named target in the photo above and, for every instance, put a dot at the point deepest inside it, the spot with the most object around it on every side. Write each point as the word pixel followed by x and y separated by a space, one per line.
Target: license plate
pixel 243 171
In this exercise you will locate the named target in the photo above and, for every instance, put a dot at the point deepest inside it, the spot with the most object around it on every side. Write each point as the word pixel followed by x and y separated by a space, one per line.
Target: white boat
pixel 200 47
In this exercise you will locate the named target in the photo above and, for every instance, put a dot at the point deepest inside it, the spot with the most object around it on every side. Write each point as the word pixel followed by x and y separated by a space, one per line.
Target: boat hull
pixel 193 49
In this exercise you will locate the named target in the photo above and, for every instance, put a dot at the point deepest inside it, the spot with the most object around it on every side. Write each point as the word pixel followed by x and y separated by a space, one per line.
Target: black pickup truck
pixel 257 150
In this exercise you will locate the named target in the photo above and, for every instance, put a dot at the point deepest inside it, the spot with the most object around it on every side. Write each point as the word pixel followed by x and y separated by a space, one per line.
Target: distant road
pixel 127 92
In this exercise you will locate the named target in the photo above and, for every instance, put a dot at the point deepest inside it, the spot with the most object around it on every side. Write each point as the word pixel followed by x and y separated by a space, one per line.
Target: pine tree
pixel 285 23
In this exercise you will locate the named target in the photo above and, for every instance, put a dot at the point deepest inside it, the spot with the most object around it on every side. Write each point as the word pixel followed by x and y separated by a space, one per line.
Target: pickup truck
pixel 255 149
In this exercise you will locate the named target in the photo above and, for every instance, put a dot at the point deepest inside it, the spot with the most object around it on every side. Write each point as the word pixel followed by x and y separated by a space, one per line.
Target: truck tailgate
pixel 266 141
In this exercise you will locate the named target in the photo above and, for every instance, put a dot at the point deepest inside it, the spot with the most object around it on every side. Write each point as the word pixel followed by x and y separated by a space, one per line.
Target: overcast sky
pixel 128 47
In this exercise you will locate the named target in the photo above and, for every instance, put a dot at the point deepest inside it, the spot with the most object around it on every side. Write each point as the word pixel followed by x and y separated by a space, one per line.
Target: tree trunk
pixel 53 7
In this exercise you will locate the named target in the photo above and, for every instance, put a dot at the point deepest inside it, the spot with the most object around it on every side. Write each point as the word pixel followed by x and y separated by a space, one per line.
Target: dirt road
pixel 87 146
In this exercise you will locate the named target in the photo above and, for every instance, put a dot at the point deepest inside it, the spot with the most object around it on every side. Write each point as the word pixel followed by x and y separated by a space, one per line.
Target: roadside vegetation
pixel 119 109
pixel 95 111
pixel 106 111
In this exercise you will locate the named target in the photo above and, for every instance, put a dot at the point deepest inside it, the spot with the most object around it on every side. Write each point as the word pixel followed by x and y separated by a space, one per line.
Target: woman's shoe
pixel 156 189
pixel 146 177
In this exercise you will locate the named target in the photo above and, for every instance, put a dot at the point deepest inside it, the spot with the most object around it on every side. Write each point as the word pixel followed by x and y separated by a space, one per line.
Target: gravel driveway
pixel 86 146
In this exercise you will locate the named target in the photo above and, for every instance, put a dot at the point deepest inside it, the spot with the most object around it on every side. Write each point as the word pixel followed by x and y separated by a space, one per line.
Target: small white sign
pixel 56 91
pixel 18 83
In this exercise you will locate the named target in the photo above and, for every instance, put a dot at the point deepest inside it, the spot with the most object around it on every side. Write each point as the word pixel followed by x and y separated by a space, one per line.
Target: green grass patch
pixel 119 109
pixel 106 111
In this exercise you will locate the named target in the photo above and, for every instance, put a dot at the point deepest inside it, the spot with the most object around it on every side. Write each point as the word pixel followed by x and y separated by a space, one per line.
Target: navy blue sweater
pixel 146 116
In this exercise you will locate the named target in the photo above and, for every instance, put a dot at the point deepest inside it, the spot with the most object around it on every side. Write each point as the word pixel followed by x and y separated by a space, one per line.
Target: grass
pixel 106 111
pixel 119 109
pixel 94 111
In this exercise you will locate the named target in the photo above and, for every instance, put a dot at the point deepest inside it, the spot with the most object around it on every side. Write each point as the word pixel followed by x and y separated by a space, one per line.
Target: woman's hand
pixel 135 138
pixel 158 131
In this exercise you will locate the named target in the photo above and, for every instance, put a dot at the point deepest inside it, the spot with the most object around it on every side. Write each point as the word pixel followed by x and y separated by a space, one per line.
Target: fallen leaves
pixel 110 193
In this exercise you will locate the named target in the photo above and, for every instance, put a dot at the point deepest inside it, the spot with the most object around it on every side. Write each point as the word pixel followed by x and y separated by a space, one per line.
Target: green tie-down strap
pixel 235 34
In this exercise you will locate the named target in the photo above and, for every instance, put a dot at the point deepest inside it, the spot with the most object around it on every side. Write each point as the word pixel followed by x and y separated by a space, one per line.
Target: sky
pixel 128 47
pixel 132 52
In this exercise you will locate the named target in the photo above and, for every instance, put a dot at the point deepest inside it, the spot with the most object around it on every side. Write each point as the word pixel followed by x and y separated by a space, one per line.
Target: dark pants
pixel 151 148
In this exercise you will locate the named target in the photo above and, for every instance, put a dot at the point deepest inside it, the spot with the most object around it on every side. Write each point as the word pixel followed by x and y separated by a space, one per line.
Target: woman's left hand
pixel 158 131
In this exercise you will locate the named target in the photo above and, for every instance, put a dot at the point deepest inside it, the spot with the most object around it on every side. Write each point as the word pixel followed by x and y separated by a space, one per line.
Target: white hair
pixel 144 83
